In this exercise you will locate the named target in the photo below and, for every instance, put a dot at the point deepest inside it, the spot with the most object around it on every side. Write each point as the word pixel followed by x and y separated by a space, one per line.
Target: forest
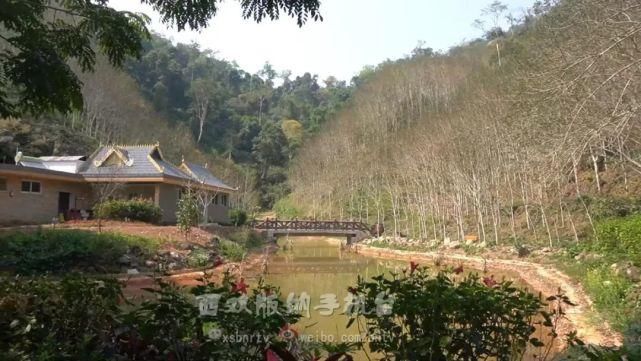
pixel 247 127
pixel 501 176
pixel 519 135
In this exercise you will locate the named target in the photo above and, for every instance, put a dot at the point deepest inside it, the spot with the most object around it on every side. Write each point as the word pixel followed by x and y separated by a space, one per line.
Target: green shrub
pixel 609 294
pixel 238 217
pixel 133 209
pixel 43 319
pixel 81 319
pixel 614 207
pixel 419 316
pixel 248 238
pixel 620 236
pixel 285 209
pixel 63 250
pixel 187 212
pixel 232 251
pixel 198 258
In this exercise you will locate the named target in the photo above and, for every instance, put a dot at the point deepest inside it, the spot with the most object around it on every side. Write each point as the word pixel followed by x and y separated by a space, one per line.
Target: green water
pixel 320 267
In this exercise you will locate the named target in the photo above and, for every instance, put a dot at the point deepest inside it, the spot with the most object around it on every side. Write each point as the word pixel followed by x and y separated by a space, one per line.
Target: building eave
pixel 16 170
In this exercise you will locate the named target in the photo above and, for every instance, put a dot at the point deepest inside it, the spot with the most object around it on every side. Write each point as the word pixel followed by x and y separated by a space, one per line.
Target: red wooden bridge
pixel 354 231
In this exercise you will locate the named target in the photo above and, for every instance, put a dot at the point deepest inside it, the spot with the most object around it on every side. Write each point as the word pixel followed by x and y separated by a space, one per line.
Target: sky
pixel 354 33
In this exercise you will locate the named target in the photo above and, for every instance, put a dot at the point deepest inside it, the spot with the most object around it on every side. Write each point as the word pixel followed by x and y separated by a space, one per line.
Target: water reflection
pixel 319 268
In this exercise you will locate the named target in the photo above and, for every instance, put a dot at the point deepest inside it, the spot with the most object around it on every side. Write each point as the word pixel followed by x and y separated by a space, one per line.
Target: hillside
pixel 243 125
pixel 510 137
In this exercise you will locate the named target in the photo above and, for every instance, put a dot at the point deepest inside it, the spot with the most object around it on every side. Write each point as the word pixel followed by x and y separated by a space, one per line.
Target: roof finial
pixel 205 164
pixel 182 160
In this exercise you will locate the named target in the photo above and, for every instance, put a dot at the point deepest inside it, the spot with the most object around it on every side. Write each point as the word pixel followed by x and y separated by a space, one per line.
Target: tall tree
pixel 40 37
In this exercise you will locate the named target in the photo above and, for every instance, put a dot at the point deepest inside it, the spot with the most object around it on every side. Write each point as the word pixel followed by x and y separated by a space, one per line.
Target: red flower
pixel 240 287
pixel 413 267
pixel 489 281
pixel 458 270
pixel 352 290
pixel 271 356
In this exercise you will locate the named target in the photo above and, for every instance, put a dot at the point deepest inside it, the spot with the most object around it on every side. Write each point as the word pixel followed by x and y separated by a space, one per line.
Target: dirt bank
pixel 252 266
pixel 541 278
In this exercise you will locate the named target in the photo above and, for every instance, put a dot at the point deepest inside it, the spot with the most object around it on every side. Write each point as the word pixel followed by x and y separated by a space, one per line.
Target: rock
pixel 132 271
pixel 172 266
pixel 186 246
pixel 592 257
pixel 454 245
pixel 150 264
pixel 174 255
pixel 124 260
pixel 135 250
pixel 627 270
pixel 581 256
pixel 632 273
pixel 482 245
pixel 446 240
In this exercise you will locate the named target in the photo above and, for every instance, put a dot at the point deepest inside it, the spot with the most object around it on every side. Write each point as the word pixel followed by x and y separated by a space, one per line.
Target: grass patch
pixel 56 251
pixel 618 240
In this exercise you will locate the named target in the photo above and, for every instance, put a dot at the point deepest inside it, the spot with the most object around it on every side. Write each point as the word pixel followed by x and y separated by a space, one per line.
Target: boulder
pixel 135 250
pixel 454 245
pixel 124 260
pixel 627 270
pixel 150 263
pixel 632 273
pixel 133 271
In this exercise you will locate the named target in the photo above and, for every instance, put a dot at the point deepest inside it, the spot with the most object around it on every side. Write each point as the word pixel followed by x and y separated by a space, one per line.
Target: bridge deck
pixel 348 229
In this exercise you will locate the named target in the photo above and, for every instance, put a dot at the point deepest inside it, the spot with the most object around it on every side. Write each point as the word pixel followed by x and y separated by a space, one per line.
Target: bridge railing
pixel 275 224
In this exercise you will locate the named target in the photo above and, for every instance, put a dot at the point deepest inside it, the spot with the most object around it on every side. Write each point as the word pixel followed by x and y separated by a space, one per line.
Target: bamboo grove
pixel 506 138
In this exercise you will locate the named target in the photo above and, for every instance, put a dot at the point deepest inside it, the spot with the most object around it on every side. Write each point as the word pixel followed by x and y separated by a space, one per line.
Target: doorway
pixel 63 202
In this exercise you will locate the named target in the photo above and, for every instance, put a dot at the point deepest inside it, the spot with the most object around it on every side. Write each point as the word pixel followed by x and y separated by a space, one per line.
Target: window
pixel 3 184
pixel 30 187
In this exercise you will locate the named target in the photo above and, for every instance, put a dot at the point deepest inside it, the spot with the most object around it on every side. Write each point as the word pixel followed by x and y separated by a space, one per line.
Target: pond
pixel 320 271
pixel 317 272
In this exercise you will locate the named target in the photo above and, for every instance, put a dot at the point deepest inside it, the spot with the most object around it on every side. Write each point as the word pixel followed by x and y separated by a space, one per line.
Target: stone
pixel 135 250
pixel 446 240
pixel 133 271
pixel 151 264
pixel 454 245
pixel 172 266
pixel 174 255
pixel 632 273
pixel 124 260
pixel 482 245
